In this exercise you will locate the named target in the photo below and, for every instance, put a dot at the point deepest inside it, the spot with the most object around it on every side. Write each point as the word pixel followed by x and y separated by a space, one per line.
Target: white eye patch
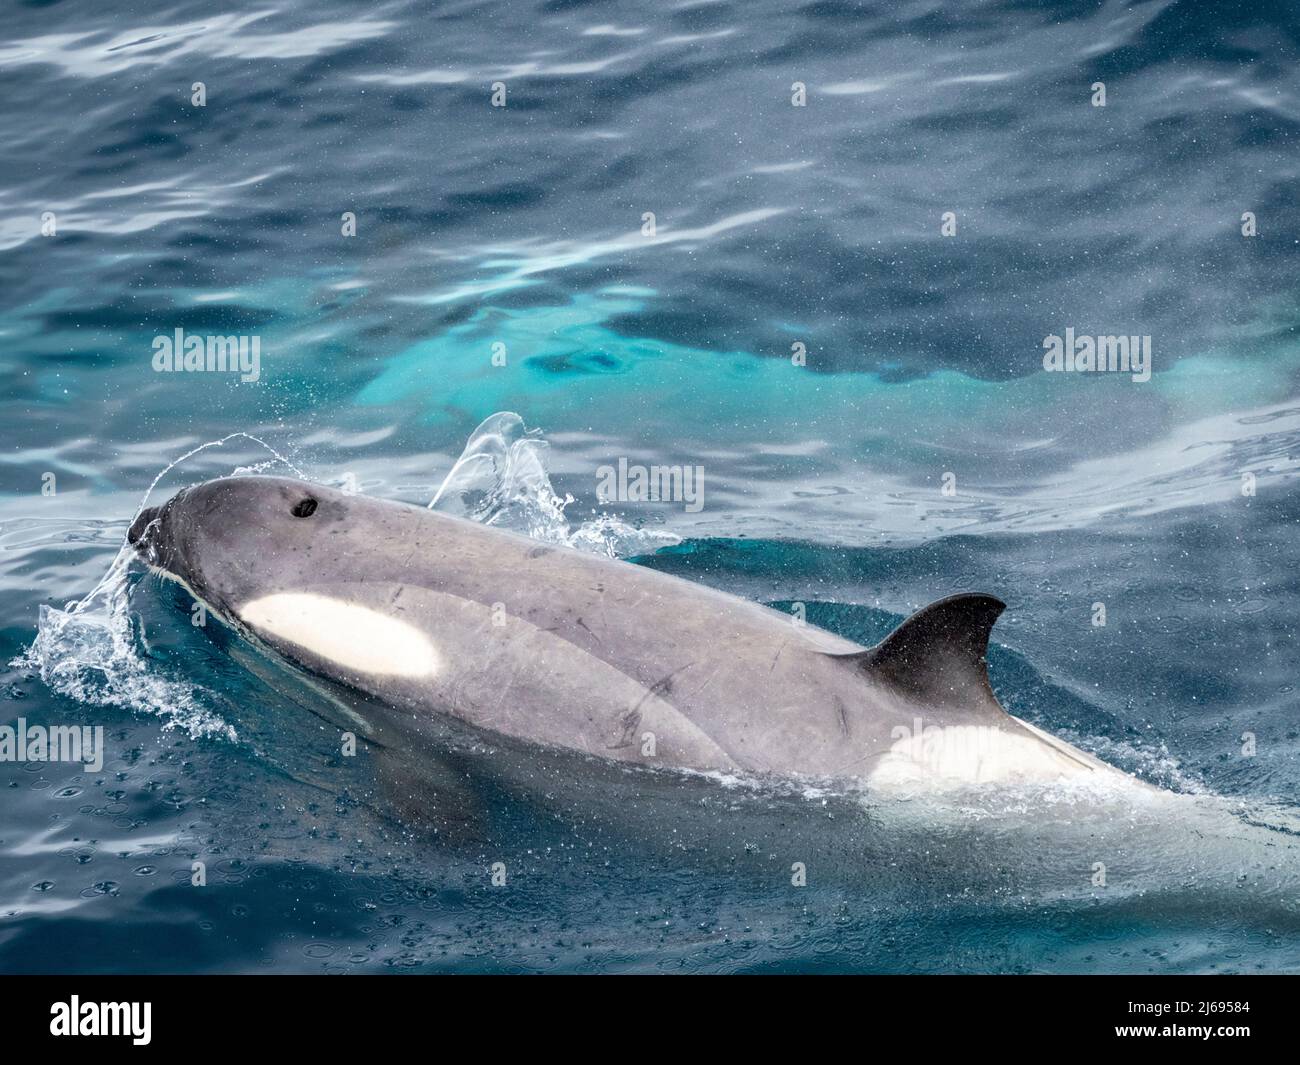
pixel 353 637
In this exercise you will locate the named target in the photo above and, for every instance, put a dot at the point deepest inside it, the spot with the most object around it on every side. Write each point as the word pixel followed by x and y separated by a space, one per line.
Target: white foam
pixel 88 652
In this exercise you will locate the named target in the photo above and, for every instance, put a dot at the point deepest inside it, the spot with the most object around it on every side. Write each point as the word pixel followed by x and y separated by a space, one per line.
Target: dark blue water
pixel 521 230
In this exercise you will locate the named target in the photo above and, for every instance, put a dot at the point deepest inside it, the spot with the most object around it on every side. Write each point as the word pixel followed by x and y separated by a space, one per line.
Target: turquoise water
pixel 519 231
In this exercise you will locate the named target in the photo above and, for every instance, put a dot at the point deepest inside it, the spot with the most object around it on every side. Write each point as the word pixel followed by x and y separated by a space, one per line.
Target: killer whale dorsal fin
pixel 938 654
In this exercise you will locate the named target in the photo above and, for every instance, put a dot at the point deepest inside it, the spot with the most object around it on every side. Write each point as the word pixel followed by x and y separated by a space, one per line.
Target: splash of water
pixel 90 649
pixel 502 478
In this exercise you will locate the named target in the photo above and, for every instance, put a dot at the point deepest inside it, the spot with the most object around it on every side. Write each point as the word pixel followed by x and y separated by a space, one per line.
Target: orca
pixel 438 617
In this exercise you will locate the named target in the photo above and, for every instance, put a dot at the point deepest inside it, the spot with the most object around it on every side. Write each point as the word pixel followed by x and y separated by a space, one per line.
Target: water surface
pixel 774 225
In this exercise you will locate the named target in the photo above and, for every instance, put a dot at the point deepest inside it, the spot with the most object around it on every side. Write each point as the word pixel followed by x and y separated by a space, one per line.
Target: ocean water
pixel 865 395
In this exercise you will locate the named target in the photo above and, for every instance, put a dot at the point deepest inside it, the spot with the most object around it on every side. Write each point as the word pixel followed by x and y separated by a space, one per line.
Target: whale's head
pixel 237 538
pixel 291 562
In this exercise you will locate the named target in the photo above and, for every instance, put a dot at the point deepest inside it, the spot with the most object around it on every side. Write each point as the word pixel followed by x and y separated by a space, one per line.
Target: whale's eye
pixel 304 508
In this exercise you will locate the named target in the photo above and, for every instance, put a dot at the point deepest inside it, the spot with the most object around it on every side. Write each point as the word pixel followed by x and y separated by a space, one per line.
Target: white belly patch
pixel 352 636
pixel 961 755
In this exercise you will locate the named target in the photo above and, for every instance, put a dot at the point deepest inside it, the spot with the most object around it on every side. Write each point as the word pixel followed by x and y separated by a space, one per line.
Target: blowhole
pixel 304 508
